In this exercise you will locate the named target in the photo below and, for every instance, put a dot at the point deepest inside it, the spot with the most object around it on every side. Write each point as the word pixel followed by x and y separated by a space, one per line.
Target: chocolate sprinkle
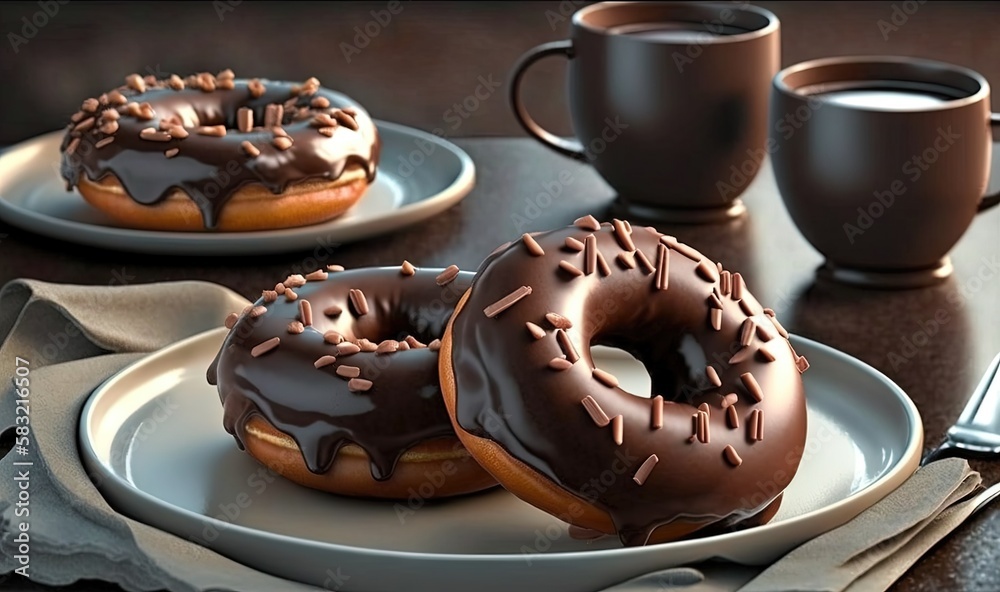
pixel 318 275
pixel 348 371
pixel 244 119
pixel 589 254
pixel 741 356
pixel 755 429
pixel 715 316
pixel 602 265
pixel 250 149
pixel 687 251
pixel 713 376
pixel 407 268
pixel 295 281
pixel 434 345
pixel 295 328
pixel 738 286
pixel 98 144
pixel 359 385
pixel 305 312
pixel 334 268
pixel 751 383
pixel 324 361
pixel 532 245
pixel 257 311
pixel 536 331
pixel 389 346
pixel 358 301
pixel 747 332
pixel 645 469
pixel 767 354
pixel 730 400
pixel 656 422
pixel 587 222
pixel 573 244
pixel 594 410
pixel 347 348
pixel 231 319
pixel 507 301
pixel 560 364
pixel 662 267
pixel 290 295
pixel 626 260
pixel 445 277
pixel 623 232
pixel 707 271
pixel 262 348
pixel 569 267
pixel 725 282
pixel 567 346
pixel 644 262
pixel 732 417
pixel 558 321
pixel 618 429
pixel 731 456
pixel 801 364
pixel 605 378
pixel 333 337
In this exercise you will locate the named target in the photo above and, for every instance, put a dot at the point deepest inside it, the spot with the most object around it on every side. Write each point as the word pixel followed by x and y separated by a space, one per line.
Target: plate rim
pixel 96 235
pixel 906 463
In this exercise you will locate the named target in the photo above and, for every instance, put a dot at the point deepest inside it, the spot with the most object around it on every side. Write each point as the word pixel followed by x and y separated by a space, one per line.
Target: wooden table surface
pixel 431 56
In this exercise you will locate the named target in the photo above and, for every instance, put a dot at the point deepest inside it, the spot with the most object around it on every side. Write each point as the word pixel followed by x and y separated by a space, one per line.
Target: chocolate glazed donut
pixel 727 409
pixel 280 154
pixel 331 380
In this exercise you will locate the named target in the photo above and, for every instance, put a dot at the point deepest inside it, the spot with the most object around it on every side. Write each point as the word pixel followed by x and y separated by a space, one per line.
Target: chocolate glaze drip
pixel 500 365
pixel 211 169
pixel 404 406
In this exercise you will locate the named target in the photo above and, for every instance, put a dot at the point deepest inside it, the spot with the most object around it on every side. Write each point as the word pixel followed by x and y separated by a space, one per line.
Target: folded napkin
pixel 75 337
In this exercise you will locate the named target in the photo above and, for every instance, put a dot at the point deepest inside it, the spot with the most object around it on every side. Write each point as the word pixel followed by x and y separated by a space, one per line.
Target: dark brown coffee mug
pixel 882 162
pixel 666 100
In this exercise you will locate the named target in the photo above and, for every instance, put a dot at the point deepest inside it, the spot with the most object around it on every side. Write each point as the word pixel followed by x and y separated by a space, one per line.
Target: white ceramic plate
pixel 153 437
pixel 33 196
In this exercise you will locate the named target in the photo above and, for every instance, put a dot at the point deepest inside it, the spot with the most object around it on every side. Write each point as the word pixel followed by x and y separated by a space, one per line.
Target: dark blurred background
pixel 437 50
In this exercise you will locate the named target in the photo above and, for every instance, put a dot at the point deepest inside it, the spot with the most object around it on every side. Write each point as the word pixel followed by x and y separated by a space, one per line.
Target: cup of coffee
pixel 882 162
pixel 668 102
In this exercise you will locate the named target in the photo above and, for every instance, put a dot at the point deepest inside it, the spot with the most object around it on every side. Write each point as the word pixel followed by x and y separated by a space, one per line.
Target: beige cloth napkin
pixel 76 337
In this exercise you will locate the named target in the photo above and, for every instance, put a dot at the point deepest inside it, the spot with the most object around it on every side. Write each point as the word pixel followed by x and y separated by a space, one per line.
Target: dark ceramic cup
pixel 882 162
pixel 668 102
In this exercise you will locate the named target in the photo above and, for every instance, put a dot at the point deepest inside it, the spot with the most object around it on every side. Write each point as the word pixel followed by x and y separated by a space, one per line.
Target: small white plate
pixel 152 438
pixel 438 175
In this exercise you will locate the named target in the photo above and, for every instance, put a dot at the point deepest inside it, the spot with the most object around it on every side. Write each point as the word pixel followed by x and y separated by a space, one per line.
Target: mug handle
pixel 991 200
pixel 565 146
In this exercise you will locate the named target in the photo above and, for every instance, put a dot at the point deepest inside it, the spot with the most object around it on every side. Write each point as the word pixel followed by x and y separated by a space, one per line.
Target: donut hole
pixel 671 366
pixel 631 373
